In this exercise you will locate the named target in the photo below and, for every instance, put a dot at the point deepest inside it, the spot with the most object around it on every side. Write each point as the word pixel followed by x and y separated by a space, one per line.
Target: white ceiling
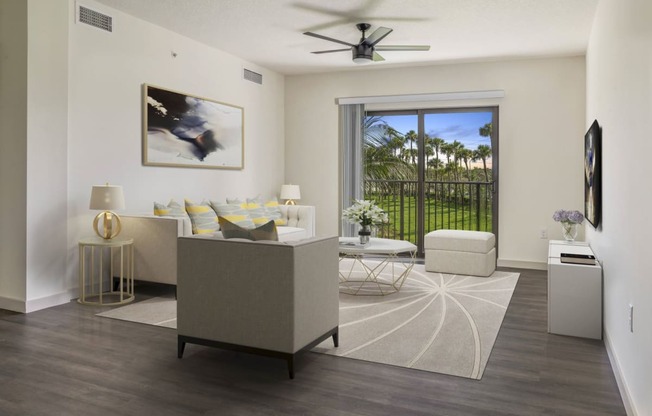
pixel 269 32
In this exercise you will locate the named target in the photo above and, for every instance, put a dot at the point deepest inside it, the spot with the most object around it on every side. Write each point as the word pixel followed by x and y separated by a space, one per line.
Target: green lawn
pixel 438 215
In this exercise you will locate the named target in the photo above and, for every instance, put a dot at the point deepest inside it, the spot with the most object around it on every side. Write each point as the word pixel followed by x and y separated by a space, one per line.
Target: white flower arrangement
pixel 365 213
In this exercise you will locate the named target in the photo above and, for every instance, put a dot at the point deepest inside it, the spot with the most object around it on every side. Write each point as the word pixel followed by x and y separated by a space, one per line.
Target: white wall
pixel 540 144
pixel 106 74
pixel 13 152
pixel 47 137
pixel 619 96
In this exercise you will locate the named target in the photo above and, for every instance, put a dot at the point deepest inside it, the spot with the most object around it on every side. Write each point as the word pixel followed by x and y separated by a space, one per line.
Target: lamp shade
pixel 290 192
pixel 107 197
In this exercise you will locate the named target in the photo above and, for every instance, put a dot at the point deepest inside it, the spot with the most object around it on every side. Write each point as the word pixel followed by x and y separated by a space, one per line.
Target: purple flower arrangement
pixel 572 217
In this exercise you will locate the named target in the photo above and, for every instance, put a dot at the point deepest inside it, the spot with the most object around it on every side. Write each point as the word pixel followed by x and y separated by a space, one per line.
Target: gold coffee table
pixel 365 273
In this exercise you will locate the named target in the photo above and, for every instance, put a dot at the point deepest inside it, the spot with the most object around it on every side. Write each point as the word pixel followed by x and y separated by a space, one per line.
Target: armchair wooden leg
pixel 291 366
pixel 336 338
pixel 181 345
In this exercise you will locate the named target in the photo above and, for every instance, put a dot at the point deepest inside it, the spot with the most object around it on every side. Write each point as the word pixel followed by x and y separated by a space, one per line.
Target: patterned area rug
pixel 154 311
pixel 437 322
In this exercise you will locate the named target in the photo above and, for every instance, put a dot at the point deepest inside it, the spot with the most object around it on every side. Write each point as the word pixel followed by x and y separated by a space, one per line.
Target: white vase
pixel 569 230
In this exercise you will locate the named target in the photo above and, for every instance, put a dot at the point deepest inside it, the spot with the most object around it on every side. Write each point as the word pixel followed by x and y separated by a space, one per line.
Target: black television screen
pixel 593 174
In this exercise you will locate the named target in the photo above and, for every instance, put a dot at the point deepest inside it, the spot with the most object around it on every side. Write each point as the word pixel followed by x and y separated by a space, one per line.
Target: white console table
pixel 574 293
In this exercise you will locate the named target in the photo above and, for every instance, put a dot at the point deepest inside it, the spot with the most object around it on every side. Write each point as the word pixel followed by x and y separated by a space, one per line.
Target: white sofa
pixel 155 239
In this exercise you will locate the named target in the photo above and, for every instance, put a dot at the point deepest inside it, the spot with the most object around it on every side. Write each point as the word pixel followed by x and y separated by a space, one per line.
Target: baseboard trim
pixel 630 408
pixel 519 264
pixel 51 300
pixel 12 304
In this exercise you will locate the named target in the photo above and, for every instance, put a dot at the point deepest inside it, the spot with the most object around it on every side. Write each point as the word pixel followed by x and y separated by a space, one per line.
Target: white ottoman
pixel 460 252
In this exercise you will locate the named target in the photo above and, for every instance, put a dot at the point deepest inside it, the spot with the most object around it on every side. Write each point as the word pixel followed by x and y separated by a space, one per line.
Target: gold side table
pixel 92 253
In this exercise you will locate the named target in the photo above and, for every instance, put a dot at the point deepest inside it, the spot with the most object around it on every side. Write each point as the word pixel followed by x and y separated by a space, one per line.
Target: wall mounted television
pixel 593 174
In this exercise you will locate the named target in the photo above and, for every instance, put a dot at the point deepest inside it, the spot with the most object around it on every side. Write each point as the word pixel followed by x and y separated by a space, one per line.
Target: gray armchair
pixel 262 297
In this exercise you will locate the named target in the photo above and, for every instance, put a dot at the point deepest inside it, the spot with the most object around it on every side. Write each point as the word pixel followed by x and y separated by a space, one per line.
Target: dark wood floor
pixel 67 361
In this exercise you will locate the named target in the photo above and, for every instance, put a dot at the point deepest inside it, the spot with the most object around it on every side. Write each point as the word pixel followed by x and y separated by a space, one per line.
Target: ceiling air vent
pixel 253 76
pixel 95 19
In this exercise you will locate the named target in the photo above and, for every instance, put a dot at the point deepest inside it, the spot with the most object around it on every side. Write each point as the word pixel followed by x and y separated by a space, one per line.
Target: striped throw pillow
pixel 202 217
pixel 234 213
pixel 270 209
pixel 172 209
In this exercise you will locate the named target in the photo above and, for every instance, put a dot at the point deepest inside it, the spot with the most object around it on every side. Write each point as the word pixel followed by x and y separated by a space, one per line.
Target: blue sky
pixel 462 127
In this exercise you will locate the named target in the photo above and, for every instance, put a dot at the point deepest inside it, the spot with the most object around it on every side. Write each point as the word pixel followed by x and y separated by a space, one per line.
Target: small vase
pixel 365 234
pixel 569 230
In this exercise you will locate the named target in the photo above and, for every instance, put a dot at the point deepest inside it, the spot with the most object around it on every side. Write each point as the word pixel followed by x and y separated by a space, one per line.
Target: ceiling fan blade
pixel 403 48
pixel 315 35
pixel 333 50
pixel 377 57
pixel 378 35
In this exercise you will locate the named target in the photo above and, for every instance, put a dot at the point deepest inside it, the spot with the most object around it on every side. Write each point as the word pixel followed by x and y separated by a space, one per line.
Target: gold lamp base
pixel 290 202
pixel 109 231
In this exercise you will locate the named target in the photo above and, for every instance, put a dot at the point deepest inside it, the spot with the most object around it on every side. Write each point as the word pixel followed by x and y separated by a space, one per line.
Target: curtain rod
pixel 438 96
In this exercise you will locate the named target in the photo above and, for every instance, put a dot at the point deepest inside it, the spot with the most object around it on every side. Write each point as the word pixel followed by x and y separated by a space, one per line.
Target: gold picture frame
pixel 184 130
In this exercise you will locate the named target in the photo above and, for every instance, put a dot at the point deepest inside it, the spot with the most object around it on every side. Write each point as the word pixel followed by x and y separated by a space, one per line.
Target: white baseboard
pixel 32 305
pixel 51 300
pixel 519 264
pixel 630 408
pixel 11 304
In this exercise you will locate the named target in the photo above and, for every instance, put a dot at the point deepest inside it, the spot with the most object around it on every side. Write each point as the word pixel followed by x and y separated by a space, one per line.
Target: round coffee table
pixel 364 275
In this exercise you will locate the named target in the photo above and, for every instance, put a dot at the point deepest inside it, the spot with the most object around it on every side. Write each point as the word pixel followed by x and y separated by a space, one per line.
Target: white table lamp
pixel 290 193
pixel 107 198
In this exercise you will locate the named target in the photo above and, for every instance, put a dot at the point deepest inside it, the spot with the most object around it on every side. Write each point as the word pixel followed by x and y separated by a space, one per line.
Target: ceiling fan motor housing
pixel 363 51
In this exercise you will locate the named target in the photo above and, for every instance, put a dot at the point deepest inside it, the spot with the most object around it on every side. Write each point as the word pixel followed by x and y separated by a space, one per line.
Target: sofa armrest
pixel 261 294
pixel 155 245
pixel 300 216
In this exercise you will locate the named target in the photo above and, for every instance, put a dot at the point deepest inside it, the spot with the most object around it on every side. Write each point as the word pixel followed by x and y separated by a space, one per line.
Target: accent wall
pixel 541 134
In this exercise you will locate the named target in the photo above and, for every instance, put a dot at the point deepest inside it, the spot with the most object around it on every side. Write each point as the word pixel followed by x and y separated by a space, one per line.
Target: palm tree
pixel 380 162
pixel 436 144
pixel 410 155
pixel 412 137
pixel 396 141
pixel 467 155
pixel 457 153
pixel 429 152
pixel 483 152
pixel 447 150
pixel 374 131
pixel 486 130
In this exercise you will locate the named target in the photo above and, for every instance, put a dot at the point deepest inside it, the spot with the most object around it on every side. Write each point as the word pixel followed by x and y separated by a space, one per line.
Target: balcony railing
pixel 447 205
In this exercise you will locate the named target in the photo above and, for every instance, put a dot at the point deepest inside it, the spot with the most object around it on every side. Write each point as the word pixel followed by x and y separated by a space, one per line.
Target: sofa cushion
pixel 264 232
pixel 202 217
pixel 172 209
pixel 460 240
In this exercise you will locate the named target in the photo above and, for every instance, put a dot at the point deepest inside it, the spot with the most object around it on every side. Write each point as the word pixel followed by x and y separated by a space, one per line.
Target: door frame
pixel 421 156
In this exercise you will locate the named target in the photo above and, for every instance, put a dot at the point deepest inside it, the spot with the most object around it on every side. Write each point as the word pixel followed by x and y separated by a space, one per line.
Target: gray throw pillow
pixel 266 231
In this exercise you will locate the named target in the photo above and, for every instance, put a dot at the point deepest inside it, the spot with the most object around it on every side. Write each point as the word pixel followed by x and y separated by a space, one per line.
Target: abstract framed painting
pixel 183 130
pixel 593 174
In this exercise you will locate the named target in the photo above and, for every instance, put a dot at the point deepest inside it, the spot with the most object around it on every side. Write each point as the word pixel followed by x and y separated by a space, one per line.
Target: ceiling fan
pixel 365 50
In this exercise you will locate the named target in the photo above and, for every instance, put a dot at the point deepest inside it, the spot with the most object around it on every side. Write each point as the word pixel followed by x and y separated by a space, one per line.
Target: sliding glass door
pixel 432 169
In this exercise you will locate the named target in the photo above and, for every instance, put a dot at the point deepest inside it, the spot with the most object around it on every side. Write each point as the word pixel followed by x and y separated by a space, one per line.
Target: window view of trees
pixel 458 175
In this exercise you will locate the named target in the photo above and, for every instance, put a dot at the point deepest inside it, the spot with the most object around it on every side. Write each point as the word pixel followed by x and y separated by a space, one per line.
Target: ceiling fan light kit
pixel 365 51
